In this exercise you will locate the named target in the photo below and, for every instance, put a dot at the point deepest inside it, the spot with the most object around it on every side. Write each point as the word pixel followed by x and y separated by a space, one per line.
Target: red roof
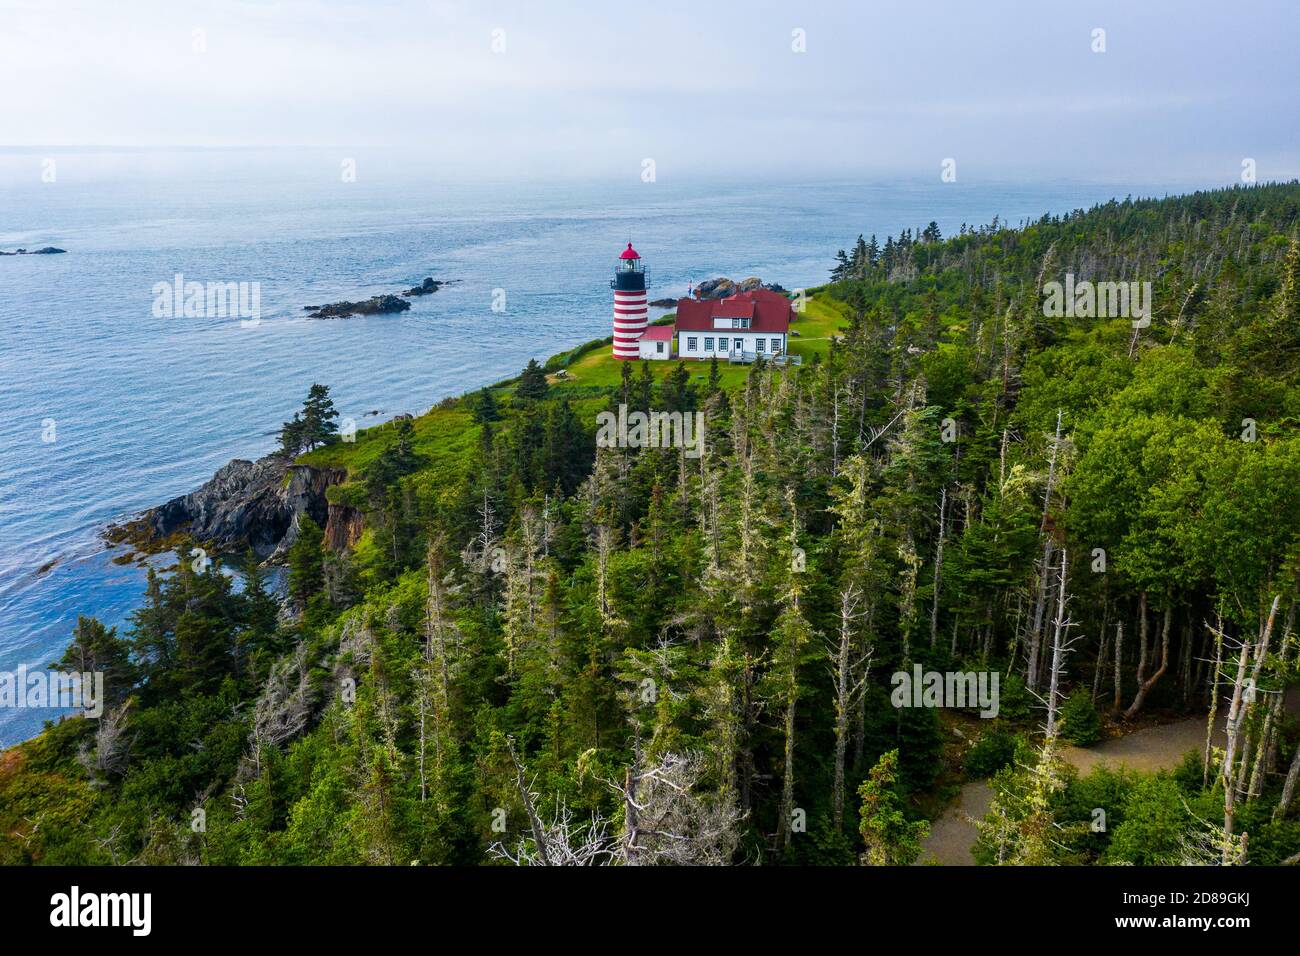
pixel 629 253
pixel 768 311
pixel 733 309
pixel 658 333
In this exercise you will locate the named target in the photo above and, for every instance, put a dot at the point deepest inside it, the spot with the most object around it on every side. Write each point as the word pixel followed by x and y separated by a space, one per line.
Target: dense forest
pixel 546 652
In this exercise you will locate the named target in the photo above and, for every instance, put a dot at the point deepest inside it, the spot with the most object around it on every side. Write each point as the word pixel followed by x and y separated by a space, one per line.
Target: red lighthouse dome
pixel 631 313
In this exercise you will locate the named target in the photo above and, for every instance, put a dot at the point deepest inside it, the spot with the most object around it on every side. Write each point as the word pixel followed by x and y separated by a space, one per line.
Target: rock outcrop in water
pixel 47 251
pixel 256 504
pixel 424 288
pixel 375 305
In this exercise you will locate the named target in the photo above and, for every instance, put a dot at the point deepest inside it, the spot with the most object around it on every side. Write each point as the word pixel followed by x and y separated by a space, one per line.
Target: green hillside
pixel 549 652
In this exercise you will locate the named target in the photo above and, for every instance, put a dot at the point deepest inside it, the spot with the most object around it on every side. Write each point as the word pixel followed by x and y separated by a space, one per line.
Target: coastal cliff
pixel 249 504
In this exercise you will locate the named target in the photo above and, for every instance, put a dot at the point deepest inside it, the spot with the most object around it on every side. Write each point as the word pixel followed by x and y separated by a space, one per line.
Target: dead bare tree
pixel 667 821
pixel 568 843
pixel 284 707
pixel 938 568
pixel 1214 699
pixel 1060 647
pixel 1272 714
pixel 1243 696
pixel 1040 605
pixel 112 748
pixel 848 672
pixel 526 796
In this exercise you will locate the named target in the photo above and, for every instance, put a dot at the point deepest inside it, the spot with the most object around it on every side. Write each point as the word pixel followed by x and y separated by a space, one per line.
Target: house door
pixel 738 346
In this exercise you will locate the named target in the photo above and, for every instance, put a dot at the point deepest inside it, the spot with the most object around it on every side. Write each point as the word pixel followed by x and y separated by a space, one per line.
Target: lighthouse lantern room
pixel 631 313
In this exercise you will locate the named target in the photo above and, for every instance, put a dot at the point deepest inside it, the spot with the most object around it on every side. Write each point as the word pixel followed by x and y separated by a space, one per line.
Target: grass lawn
pixel 439 430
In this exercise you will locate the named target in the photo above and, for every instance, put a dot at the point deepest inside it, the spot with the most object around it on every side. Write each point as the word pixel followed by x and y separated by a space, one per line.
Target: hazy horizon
pixel 745 91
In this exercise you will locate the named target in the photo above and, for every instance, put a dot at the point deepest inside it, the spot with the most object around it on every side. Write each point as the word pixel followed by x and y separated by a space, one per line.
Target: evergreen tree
pixel 485 407
pixel 318 414
pixel 311 427
pixel 97 649
pixel 306 561
pixel 643 390
pixel 892 839
pixel 715 377
pixel 532 385
pixel 678 392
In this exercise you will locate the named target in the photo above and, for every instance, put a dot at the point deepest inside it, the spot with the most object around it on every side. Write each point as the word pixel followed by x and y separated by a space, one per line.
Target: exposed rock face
pixel 47 251
pixel 718 288
pixel 343 527
pixel 248 504
pixel 722 287
pixel 375 305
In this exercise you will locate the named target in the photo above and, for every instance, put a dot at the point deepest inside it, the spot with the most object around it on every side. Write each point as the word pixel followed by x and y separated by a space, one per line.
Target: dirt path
pixel 1152 748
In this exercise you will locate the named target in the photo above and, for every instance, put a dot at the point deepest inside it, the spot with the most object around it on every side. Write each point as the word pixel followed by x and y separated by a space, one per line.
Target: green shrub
pixel 1080 723
pixel 1155 824
pixel 995 749
pixel 1015 703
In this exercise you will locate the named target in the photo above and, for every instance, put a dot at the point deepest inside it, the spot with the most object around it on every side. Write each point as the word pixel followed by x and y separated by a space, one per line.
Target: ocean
pixel 107 407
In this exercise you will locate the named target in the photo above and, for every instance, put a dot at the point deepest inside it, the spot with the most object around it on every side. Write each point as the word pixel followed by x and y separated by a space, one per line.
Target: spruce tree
pixel 532 385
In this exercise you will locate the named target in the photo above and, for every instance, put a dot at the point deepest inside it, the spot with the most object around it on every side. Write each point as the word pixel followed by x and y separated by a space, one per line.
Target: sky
pixel 1183 90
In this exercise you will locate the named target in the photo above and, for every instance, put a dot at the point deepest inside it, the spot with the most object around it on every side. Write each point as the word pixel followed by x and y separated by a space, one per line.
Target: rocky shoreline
pixel 254 505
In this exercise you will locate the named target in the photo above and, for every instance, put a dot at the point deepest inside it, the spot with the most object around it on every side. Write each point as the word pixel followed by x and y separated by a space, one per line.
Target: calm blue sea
pixel 144 408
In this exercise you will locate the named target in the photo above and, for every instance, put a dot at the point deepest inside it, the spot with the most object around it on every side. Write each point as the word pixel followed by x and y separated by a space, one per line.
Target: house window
pixel 659 347
pixel 690 343
pixel 759 345
pixel 708 343
pixel 776 346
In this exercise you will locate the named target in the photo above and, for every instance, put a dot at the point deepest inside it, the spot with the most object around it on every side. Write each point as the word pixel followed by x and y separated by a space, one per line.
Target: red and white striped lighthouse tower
pixel 630 310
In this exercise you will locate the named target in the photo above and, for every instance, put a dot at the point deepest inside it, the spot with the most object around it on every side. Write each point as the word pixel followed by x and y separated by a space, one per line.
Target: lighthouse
pixel 630 310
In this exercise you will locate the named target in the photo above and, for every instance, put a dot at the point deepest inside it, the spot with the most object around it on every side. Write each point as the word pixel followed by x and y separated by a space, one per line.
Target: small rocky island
pixel 375 305
pixel 47 251
pixel 424 288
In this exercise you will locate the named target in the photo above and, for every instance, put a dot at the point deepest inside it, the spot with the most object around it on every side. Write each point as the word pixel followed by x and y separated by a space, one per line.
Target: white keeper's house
pixel 741 327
